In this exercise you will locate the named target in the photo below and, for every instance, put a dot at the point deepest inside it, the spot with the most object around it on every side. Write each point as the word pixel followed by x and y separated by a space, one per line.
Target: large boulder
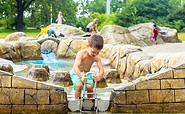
pixel 66 30
pixel 102 83
pixel 5 50
pixel 10 51
pixel 132 60
pixel 30 50
pixel 168 35
pixel 39 74
pixel 112 76
pixel 14 36
pixel 7 68
pixel 144 31
pixel 50 46
pixel 114 34
pixel 41 66
pixel 17 51
pixel 16 68
pixel 70 47
pixel 166 60
pixel 61 78
pixel 142 68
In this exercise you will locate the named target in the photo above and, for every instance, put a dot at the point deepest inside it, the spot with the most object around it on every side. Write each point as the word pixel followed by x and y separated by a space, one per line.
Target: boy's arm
pixel 99 76
pixel 77 64
pixel 39 33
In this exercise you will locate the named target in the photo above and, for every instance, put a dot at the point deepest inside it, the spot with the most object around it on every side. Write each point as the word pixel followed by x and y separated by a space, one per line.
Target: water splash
pixel 51 61
pixel 49 56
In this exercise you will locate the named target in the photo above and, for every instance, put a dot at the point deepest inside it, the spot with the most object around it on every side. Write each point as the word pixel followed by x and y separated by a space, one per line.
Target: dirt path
pixel 164 48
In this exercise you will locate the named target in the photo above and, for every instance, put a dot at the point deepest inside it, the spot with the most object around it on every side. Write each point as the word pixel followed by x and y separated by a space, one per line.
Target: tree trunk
pixel 20 10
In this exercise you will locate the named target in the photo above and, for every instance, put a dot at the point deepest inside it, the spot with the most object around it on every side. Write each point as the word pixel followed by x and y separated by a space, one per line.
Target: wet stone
pixel 112 76
pixel 61 78
pixel 39 74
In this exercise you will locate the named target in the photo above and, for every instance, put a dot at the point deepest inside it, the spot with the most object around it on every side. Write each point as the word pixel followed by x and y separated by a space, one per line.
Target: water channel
pixel 55 64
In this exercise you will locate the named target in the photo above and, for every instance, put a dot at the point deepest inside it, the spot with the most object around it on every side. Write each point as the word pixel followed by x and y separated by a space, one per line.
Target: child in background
pixel 60 18
pixel 92 26
pixel 83 62
pixel 46 30
pixel 155 34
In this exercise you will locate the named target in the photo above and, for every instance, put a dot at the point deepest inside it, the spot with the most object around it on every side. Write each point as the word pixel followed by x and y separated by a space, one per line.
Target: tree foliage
pixel 36 12
pixel 162 12
pixel 170 13
pixel 97 6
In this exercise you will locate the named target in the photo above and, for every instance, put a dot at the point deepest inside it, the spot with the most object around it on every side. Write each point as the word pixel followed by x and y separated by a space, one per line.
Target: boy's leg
pixel 90 90
pixel 155 39
pixel 78 90
pixel 53 32
pixel 151 39
pixel 49 32
pixel 90 85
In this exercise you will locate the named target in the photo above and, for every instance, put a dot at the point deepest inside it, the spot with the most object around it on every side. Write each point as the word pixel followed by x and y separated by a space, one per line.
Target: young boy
pixel 46 30
pixel 155 34
pixel 83 62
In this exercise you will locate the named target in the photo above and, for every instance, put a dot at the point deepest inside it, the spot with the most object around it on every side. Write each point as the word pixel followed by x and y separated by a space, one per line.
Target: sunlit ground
pixel 28 32
pixel 181 36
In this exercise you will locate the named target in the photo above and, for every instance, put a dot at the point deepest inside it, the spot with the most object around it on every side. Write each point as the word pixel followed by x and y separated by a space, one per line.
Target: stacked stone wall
pixel 161 92
pixel 22 95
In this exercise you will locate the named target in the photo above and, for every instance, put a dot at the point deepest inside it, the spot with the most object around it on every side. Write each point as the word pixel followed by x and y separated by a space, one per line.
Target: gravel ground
pixel 164 48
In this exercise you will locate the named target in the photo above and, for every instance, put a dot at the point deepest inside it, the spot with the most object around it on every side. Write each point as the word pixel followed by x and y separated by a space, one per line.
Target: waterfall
pixel 50 59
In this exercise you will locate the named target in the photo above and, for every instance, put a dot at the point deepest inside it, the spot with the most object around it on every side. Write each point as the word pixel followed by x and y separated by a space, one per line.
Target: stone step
pixel 102 104
pixel 103 96
pixel 103 99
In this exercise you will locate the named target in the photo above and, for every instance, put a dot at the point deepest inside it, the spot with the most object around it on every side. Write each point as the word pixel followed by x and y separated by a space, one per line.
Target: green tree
pixel 103 20
pixel 147 10
pixel 41 11
pixel 91 6
pixel 22 5
pixel 36 12
pixel 7 14
pixel 97 6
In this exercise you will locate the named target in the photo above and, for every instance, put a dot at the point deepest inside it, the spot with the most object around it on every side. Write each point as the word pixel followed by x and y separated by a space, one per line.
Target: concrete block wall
pixel 162 92
pixel 22 95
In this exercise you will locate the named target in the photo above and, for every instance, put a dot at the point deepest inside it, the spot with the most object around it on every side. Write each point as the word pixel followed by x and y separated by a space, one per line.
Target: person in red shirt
pixel 155 34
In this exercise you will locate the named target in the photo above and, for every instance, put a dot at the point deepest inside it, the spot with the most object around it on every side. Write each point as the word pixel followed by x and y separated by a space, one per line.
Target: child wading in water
pixel 83 62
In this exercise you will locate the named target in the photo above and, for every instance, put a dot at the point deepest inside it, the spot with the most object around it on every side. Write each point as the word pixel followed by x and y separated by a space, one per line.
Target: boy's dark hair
pixel 96 41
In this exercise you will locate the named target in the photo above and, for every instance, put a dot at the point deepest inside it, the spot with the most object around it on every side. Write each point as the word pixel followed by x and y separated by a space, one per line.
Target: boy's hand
pixel 96 78
pixel 84 79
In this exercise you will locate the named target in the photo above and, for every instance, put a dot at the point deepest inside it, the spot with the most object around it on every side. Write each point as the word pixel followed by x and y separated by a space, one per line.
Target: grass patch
pixel 28 32
pixel 181 36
